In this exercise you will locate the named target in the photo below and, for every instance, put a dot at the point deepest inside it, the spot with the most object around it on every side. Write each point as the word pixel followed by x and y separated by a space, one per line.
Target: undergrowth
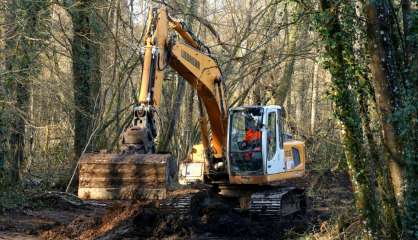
pixel 333 204
pixel 12 195
pixel 16 196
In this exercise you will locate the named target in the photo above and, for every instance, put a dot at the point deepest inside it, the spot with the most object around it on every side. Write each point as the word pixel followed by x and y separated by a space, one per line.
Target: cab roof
pixel 255 106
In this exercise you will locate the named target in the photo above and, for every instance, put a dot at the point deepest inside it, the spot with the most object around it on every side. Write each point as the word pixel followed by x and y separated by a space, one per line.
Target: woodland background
pixel 345 71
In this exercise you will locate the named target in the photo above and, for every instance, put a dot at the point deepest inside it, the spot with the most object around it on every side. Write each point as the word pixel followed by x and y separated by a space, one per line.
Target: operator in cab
pixel 252 141
pixel 246 133
pixel 252 135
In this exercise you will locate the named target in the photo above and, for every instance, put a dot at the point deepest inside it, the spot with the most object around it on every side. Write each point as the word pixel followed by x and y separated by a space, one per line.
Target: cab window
pixel 245 152
pixel 271 135
pixel 281 130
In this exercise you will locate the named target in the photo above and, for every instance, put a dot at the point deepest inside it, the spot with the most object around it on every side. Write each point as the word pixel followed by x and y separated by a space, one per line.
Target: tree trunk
pixel 3 129
pixel 17 138
pixel 190 92
pixel 410 141
pixel 26 24
pixel 314 97
pixel 285 82
pixel 3 107
pixel 7 82
pixel 394 67
pixel 10 59
pixel 163 145
pixel 386 77
pixel 379 172
pixel 346 109
pixel 97 37
pixel 300 99
pixel 81 74
pixel 86 73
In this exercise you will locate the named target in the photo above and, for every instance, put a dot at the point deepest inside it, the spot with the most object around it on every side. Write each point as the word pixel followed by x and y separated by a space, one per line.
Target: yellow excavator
pixel 245 153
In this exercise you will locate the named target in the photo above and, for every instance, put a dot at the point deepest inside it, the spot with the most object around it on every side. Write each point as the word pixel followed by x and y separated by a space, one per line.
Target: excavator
pixel 244 153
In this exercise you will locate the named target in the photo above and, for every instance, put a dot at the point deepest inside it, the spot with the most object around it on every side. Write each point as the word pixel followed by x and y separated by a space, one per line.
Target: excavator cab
pixel 256 150
pixel 255 140
pixel 245 141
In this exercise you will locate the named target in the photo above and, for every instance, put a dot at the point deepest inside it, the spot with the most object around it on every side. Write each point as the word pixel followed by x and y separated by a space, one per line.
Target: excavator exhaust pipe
pixel 126 176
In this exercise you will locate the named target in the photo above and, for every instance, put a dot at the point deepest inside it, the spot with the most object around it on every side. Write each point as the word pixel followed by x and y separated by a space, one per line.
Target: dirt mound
pixel 124 220
pixel 209 217
pixel 212 214
pixel 46 211
pixel 72 230
pixel 93 226
pixel 152 223
pixel 61 216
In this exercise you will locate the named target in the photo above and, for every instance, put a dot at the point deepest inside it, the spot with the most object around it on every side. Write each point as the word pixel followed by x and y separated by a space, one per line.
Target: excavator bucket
pixel 125 176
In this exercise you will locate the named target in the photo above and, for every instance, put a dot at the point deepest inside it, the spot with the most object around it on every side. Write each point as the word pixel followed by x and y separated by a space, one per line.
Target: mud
pixel 31 221
pixel 209 217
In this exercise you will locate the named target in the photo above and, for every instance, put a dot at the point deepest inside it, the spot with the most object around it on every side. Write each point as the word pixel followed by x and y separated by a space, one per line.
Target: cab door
pixel 274 153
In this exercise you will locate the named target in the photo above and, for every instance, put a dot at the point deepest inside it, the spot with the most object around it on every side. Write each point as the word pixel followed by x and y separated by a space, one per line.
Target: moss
pixel 341 63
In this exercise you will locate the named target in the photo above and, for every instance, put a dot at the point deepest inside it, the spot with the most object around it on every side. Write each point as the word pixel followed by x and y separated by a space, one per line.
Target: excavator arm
pixel 190 60
pixel 137 171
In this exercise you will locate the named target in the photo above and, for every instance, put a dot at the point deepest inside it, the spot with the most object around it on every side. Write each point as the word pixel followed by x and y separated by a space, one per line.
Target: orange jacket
pixel 252 135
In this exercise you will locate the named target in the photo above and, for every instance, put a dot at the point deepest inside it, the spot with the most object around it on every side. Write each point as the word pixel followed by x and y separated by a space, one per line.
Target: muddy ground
pixel 209 217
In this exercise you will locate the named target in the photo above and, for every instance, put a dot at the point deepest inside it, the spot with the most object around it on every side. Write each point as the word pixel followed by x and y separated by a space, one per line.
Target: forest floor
pixel 330 213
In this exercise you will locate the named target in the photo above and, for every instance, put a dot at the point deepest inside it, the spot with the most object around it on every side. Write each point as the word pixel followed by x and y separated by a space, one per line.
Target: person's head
pixel 251 124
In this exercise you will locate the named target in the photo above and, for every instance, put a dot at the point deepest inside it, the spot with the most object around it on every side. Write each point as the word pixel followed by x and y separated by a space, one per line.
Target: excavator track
pixel 271 202
pixel 179 204
pixel 277 203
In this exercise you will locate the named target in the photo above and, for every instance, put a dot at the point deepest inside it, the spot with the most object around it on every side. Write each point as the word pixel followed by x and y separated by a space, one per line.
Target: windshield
pixel 245 142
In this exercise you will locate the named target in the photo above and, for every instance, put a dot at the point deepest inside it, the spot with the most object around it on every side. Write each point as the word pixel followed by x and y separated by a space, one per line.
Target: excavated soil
pixel 30 221
pixel 209 217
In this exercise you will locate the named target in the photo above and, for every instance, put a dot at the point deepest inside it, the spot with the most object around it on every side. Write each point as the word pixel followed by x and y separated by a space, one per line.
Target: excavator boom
pixel 195 66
